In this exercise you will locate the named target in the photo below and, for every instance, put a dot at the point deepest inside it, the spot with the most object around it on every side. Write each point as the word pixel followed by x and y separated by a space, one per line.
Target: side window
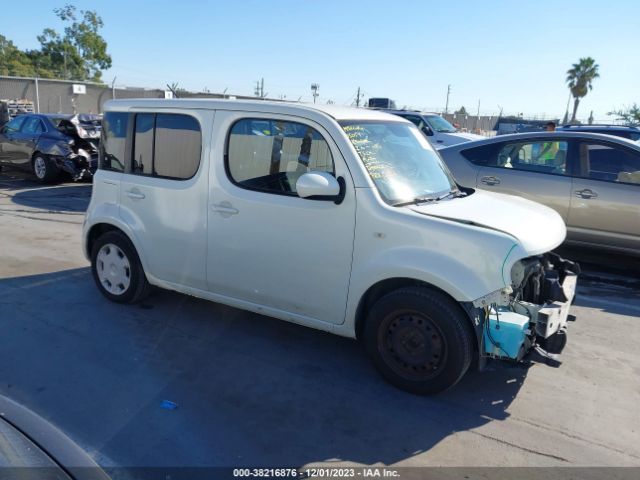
pixel 270 155
pixel 542 157
pixel 166 145
pixel 420 123
pixel 483 155
pixel 604 162
pixel 33 126
pixel 114 139
pixel 178 146
pixel 14 125
pixel 143 144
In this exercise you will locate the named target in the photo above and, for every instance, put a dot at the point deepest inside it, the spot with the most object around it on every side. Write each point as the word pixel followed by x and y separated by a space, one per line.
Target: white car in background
pixel 438 130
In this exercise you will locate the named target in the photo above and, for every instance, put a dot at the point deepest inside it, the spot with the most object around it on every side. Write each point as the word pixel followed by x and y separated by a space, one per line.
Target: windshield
pixel 439 124
pixel 400 160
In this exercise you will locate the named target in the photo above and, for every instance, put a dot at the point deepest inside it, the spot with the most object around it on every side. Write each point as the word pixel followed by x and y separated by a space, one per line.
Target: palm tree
pixel 579 78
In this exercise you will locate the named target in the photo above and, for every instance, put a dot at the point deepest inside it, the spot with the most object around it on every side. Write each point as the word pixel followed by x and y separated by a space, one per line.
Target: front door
pixel 605 204
pixel 534 169
pixel 9 141
pixel 267 246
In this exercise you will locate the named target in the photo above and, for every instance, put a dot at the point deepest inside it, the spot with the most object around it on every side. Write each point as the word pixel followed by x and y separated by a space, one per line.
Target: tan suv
pixel 591 180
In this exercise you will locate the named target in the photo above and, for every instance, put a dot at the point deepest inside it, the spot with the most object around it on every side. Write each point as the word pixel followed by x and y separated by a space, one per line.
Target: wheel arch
pixel 388 285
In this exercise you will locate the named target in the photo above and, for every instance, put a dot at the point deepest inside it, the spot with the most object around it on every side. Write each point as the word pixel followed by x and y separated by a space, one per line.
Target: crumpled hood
pixel 537 228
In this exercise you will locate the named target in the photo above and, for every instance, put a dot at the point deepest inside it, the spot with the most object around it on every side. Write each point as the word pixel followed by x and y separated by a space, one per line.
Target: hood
pixel 537 228
pixel 464 137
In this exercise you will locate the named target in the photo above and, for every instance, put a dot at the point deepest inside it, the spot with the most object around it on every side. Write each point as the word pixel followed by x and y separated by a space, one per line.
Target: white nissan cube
pixel 341 219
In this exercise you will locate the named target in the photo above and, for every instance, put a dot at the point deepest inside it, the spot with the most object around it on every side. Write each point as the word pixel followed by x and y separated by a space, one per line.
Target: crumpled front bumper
pixel 80 167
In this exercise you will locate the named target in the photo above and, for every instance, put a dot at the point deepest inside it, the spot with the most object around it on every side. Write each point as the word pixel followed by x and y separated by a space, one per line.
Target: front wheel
pixel 419 340
pixel 117 270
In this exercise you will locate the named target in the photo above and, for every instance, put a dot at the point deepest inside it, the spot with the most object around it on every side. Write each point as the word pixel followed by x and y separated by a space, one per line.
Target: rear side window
pixel 114 139
pixel 482 155
pixel 166 145
pixel 270 155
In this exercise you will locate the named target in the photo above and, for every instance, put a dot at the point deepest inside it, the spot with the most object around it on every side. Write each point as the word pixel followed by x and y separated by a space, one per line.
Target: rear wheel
pixel 117 270
pixel 45 169
pixel 419 340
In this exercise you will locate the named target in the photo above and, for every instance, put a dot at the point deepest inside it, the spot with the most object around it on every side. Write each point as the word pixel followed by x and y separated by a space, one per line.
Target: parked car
pixel 632 133
pixel 340 219
pixel 591 180
pixel 438 130
pixel 29 443
pixel 49 144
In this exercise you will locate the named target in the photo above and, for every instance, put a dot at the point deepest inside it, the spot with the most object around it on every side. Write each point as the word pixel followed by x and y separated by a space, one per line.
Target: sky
pixel 504 55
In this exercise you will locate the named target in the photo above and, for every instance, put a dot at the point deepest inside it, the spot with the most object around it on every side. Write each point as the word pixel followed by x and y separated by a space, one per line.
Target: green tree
pixel 14 61
pixel 81 52
pixel 462 111
pixel 630 116
pixel 580 79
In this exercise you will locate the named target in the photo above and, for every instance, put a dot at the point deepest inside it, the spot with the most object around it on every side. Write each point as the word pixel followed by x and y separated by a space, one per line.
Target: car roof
pixel 544 135
pixel 333 111
pixel 622 128
pixel 410 112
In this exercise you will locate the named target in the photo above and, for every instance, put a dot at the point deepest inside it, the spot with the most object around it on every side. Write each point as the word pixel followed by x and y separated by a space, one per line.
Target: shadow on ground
pixel 31 194
pixel 250 390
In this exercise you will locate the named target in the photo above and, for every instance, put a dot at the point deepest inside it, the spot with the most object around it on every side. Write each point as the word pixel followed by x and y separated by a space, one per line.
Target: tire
pixel 45 169
pixel 419 339
pixel 117 270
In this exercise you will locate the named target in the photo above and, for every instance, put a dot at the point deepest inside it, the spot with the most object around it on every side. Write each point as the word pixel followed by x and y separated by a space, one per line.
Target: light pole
pixel 314 91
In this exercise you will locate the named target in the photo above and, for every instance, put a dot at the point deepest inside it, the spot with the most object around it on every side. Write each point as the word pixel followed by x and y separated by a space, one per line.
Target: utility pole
pixel 113 88
pixel 259 91
pixel 358 97
pixel 446 107
pixel 314 91
pixel 478 115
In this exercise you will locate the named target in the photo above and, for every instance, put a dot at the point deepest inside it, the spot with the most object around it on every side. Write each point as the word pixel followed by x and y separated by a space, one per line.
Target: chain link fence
pixel 57 96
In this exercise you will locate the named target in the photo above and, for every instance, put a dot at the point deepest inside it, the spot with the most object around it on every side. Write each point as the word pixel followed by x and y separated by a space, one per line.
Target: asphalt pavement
pixel 251 390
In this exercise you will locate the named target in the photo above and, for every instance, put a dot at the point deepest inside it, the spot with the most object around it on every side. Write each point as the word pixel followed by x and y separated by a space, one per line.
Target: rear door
pixel 536 169
pixel 163 193
pixel 605 204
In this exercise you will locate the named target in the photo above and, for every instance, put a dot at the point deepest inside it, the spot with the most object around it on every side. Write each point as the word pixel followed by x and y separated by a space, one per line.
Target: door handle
pixel 586 193
pixel 225 209
pixel 135 195
pixel 491 180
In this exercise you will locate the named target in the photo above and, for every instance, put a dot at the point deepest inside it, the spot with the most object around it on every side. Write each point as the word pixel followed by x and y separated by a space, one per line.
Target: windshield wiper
pixel 428 199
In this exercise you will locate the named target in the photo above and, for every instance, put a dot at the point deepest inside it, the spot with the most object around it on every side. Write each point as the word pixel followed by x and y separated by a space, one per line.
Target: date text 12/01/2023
pixel 316 472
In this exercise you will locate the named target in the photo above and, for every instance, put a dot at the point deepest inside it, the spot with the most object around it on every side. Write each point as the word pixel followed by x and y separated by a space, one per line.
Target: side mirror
pixel 427 131
pixel 320 186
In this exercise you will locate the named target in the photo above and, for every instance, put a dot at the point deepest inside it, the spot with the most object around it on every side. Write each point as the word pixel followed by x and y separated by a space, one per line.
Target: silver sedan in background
pixel 591 180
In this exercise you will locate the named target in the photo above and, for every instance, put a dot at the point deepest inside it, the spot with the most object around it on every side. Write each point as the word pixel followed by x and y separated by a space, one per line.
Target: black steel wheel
pixel 419 339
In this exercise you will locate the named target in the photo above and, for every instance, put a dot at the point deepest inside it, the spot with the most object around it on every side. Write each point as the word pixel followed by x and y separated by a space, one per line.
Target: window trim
pixel 131 131
pixel 127 145
pixel 227 169
pixel 579 174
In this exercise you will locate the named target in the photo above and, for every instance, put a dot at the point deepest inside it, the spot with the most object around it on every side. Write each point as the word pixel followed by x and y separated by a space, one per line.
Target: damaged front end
pixel 530 313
